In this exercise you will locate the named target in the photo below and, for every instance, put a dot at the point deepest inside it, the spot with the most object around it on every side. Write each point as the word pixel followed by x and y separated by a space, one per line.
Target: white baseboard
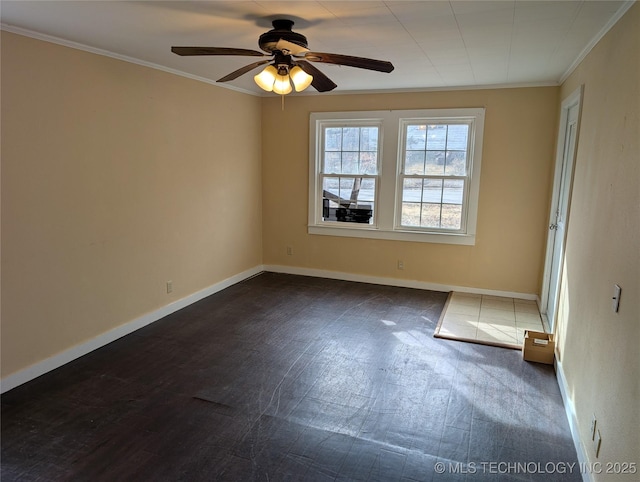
pixel 573 422
pixel 49 364
pixel 404 283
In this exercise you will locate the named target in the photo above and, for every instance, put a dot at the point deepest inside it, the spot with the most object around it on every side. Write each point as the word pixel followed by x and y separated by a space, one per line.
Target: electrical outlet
pixel 169 286
pixel 594 422
pixel 596 443
pixel 400 264
pixel 289 250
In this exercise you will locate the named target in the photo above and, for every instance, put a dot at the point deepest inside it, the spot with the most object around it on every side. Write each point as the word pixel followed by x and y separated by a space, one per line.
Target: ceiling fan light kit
pixel 301 80
pixel 290 63
pixel 282 85
pixel 266 78
pixel 279 80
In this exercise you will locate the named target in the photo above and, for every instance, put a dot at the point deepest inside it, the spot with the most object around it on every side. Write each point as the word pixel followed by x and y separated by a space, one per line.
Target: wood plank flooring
pixel 286 377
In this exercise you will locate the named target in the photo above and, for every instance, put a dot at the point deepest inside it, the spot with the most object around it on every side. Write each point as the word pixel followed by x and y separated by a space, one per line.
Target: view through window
pixel 407 175
pixel 349 173
pixel 434 175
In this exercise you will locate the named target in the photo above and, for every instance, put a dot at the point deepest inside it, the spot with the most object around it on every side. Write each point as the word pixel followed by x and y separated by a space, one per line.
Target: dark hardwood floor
pixel 285 377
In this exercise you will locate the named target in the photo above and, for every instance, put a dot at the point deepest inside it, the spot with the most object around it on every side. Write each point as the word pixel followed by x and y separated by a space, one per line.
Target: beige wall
pixel 599 349
pixel 115 179
pixel 517 161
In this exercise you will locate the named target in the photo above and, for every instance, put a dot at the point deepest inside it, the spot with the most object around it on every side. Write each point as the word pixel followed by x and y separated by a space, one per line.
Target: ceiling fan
pixel 290 59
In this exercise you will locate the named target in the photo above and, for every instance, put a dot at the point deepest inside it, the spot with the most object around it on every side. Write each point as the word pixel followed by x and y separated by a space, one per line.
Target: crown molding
pixel 106 53
pixel 594 41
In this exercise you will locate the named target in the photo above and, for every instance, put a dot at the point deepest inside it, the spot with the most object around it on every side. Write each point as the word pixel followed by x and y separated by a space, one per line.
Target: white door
pixel 560 209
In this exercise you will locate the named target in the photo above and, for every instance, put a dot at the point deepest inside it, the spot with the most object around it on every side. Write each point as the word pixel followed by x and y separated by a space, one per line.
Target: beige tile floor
pixel 489 319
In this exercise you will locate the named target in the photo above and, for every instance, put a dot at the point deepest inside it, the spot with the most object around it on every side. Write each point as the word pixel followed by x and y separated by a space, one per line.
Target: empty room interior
pixel 189 292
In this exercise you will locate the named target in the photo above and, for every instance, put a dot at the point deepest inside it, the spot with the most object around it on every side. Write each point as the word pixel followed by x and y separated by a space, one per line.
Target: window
pixel 349 171
pixel 433 176
pixel 406 175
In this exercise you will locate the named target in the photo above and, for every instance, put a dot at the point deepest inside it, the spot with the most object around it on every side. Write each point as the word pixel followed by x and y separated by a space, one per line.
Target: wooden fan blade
pixel 358 62
pixel 216 51
pixel 237 73
pixel 320 82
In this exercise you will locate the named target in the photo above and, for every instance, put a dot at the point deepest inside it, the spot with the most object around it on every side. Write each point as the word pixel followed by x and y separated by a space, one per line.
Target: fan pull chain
pixel 282 102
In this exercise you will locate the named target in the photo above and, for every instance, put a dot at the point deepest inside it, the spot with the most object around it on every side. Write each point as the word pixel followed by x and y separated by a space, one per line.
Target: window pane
pixel 369 139
pixel 351 150
pixel 432 192
pixel 456 163
pixel 436 137
pixel 352 188
pixel 338 192
pixel 410 214
pixel 435 163
pixel 331 188
pixel 333 139
pixel 361 192
pixel 430 216
pixel 350 138
pixel 367 191
pixel 416 137
pixel 457 137
pixel 453 190
pixel 346 186
pixel 412 190
pixel 332 163
pixel 432 203
pixel 349 163
pixel 451 216
pixel 368 163
pixel 414 162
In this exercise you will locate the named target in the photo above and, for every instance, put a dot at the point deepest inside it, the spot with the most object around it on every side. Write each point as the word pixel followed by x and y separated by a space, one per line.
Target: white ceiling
pixel 432 44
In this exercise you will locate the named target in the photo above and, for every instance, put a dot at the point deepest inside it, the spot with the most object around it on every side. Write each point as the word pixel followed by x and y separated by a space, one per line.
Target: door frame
pixel 573 99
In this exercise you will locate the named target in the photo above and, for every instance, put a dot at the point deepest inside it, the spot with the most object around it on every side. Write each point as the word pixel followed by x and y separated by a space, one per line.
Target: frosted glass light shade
pixel 301 80
pixel 282 85
pixel 266 78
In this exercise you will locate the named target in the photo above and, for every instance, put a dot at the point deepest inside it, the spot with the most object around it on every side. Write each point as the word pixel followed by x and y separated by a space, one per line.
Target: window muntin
pixel 425 185
pixel 433 177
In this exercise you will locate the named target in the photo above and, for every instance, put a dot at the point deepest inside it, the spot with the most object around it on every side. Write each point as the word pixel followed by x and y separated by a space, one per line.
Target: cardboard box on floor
pixel 538 347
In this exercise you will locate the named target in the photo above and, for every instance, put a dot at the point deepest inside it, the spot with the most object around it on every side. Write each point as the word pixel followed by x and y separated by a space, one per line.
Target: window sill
pixel 375 233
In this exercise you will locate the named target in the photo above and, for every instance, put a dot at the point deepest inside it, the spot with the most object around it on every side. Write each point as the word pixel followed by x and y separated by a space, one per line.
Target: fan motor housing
pixel 281 30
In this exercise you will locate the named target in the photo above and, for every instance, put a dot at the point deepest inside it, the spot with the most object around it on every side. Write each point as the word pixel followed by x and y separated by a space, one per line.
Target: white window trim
pixel 387 197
